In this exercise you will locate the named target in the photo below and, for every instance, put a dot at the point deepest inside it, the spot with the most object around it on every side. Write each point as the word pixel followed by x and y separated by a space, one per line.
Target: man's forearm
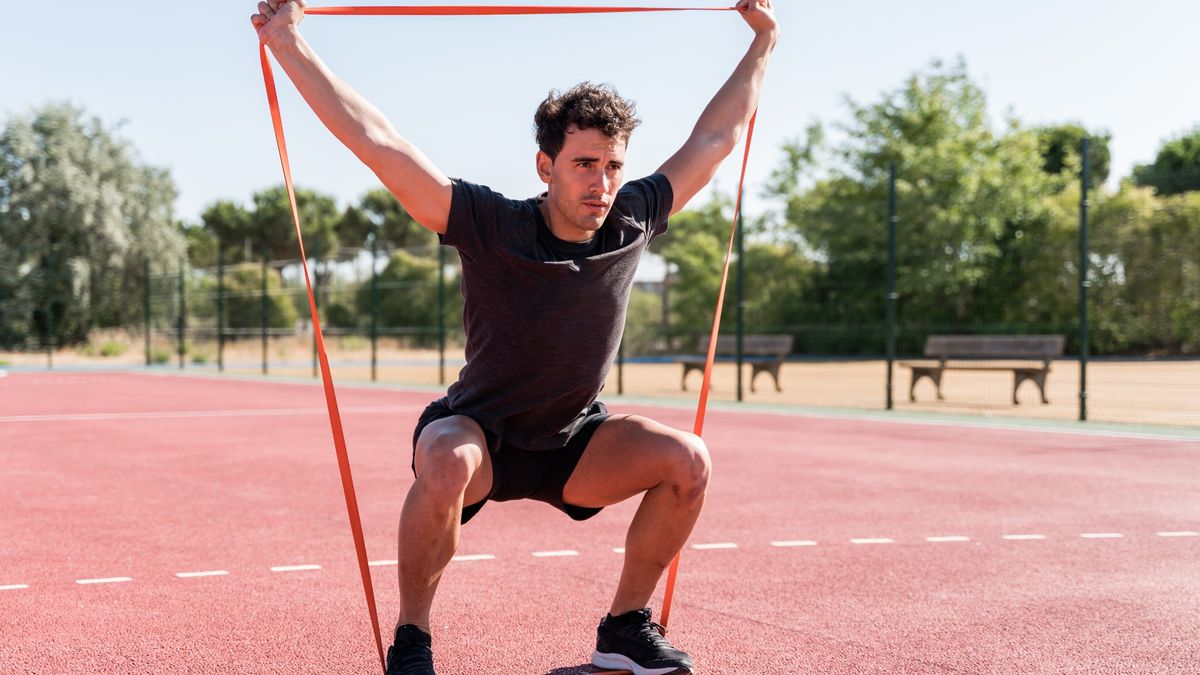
pixel 358 124
pixel 727 114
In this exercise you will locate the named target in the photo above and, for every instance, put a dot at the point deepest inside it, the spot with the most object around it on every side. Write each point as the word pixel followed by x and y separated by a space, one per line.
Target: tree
pixel 1176 168
pixel 408 304
pixel 378 211
pixel 229 225
pixel 1060 146
pixel 272 220
pixel 972 205
pixel 695 247
pixel 78 215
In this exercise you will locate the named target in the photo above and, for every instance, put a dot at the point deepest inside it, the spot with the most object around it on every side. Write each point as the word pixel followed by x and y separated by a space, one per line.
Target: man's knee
pixel 446 458
pixel 691 466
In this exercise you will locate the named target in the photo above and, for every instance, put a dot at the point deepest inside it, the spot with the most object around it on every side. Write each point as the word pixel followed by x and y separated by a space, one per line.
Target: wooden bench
pixel 972 350
pixel 764 353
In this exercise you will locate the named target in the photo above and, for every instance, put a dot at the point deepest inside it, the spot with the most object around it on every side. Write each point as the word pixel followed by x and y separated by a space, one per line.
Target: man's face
pixel 582 182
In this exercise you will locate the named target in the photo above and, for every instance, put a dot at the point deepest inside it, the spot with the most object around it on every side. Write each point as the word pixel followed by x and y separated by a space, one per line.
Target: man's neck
pixel 557 228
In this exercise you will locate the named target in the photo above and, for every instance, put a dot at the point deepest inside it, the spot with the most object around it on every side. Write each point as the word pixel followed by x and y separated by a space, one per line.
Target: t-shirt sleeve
pixel 647 202
pixel 474 217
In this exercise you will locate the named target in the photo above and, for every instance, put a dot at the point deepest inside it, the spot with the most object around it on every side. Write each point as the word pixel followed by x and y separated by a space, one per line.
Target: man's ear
pixel 544 166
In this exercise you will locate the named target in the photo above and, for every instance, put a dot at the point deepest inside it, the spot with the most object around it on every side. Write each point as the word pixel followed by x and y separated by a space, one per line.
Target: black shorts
pixel 525 474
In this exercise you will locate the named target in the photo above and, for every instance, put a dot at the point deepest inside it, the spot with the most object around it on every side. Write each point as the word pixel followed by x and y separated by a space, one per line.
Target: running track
pixel 827 545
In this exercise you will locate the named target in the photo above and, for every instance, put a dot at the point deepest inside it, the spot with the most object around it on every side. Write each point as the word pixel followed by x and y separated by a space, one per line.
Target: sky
pixel 182 82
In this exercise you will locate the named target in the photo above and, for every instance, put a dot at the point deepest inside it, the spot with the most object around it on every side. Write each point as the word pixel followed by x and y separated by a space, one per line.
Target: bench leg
pixel 771 369
pixel 1038 377
pixel 934 375
pixel 687 368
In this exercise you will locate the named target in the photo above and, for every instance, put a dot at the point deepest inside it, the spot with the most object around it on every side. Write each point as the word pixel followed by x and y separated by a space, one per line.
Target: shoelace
pixel 654 633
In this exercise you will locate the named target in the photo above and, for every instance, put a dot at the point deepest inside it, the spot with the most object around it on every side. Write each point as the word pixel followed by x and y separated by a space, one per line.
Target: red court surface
pixel 827 545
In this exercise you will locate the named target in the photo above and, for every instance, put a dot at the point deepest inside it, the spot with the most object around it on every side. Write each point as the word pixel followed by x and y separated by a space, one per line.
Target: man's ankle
pixel 423 627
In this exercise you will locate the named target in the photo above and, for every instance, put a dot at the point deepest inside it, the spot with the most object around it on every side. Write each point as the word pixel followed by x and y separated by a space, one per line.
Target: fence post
pixel 441 314
pixel 891 283
pixel 146 306
pixel 741 297
pixel 181 328
pixel 1084 282
pixel 317 301
pixel 262 301
pixel 220 308
pixel 48 306
pixel 374 303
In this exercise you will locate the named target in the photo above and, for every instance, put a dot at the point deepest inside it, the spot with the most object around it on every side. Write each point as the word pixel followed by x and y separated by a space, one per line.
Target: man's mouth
pixel 596 207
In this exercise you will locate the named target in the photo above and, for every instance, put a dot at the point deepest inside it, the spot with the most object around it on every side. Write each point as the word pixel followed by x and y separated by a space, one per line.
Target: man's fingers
pixel 266 10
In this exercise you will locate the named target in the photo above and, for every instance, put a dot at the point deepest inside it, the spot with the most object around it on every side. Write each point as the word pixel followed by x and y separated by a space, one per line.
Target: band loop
pixel 335 421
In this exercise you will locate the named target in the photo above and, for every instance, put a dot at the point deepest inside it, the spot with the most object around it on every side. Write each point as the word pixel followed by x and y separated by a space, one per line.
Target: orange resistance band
pixel 335 421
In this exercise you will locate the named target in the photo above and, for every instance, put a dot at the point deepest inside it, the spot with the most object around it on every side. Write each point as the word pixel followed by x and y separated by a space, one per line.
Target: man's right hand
pixel 276 19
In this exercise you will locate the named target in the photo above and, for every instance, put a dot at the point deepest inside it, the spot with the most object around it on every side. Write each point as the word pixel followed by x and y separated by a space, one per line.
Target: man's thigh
pixel 630 454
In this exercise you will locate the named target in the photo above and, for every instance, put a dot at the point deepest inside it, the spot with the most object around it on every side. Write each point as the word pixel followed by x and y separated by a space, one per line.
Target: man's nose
pixel 599 182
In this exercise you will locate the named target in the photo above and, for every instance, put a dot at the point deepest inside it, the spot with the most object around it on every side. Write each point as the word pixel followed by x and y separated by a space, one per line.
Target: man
pixel 546 282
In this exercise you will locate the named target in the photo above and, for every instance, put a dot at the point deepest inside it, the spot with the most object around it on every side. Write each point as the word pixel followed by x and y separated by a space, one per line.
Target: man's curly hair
pixel 587 106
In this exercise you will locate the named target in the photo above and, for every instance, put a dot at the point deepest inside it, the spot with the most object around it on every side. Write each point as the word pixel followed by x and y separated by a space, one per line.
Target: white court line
pixel 200 414
pixel 797 542
pixel 108 580
pixel 1178 534
pixel 1023 537
pixel 193 575
pixel 619 550
pixel 715 547
pixel 946 539
pixel 1101 535
pixel 383 563
pixel 472 558
pixel 879 540
pixel 295 568
pixel 554 554
pixel 14 587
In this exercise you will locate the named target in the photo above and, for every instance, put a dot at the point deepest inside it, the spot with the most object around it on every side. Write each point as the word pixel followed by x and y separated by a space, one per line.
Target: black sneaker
pixel 631 641
pixel 410 654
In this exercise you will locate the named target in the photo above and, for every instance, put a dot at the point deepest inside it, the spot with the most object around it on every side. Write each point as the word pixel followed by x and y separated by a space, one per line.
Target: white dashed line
pixel 938 540
pixel 797 542
pixel 554 554
pixel 1178 534
pixel 715 547
pixel 295 568
pixel 108 580
pixel 383 563
pixel 1023 537
pixel 193 575
pixel 878 540
pixel 472 558
pixel 1101 535
pixel 14 587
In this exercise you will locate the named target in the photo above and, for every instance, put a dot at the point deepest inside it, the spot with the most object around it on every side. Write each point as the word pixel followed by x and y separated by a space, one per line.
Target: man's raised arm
pixel 723 121
pixel 422 189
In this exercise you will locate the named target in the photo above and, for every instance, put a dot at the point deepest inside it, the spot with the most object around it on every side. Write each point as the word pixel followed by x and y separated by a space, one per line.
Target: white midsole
pixel 621 662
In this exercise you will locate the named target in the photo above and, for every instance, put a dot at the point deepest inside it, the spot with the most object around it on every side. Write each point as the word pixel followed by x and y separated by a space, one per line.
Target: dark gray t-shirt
pixel 543 317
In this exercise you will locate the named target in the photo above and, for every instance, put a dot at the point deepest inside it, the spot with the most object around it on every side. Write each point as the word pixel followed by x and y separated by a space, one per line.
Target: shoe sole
pixel 622 662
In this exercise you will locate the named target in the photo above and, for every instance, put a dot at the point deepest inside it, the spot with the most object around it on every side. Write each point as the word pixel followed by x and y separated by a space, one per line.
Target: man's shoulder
pixel 477 198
